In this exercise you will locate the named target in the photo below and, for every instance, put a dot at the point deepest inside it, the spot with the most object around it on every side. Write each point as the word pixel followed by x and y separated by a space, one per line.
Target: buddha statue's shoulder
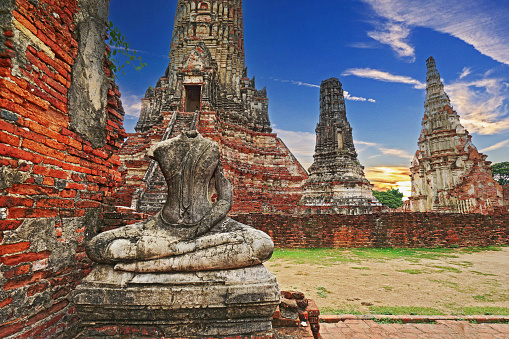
pixel 183 140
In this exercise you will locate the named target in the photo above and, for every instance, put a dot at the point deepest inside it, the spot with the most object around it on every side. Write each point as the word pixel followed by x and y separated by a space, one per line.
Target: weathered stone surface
pixel 192 231
pixel 89 88
pixel 448 172
pixel 336 181
pixel 189 270
pixel 10 176
pixel 214 303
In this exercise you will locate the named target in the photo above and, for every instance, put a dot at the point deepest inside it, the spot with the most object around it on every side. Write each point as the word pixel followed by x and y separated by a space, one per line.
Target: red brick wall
pixel 382 230
pixel 53 184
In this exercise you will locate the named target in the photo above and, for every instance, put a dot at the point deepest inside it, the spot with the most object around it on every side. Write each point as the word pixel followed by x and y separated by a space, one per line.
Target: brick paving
pixel 443 329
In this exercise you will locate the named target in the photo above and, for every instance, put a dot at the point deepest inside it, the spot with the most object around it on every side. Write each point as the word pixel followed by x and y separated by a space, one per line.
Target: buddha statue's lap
pixel 191 232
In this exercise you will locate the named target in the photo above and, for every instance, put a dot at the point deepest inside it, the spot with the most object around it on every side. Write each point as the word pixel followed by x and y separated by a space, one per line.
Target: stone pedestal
pixel 237 302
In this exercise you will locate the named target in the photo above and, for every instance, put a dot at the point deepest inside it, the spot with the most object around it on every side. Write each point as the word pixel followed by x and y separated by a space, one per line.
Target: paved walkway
pixel 369 329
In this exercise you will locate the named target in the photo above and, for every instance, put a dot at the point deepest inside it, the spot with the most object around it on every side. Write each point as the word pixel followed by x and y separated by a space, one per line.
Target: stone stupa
pixel 336 183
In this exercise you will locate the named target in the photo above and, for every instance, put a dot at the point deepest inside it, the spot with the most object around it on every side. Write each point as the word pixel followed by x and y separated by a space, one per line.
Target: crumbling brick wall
pixel 506 196
pixel 382 230
pixel 60 131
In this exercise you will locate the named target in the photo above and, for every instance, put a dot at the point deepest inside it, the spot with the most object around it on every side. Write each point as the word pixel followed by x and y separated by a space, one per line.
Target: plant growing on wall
pixel 501 172
pixel 392 198
pixel 119 45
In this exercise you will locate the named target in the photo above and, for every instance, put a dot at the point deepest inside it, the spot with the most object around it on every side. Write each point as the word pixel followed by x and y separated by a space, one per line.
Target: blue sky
pixel 378 50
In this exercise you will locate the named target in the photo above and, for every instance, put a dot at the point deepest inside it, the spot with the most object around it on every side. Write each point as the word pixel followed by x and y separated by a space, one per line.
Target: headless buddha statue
pixel 192 231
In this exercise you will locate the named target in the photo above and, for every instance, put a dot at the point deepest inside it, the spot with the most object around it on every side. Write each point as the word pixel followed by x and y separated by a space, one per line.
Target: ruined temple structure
pixel 206 85
pixel 448 173
pixel 336 183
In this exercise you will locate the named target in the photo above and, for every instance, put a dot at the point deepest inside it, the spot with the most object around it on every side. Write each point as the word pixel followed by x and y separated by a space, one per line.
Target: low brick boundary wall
pixel 382 230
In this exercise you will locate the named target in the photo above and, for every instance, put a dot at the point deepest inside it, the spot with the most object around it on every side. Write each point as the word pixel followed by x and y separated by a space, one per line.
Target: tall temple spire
pixel 436 98
pixel 207 69
pixel 448 173
pixel 219 25
pixel 336 181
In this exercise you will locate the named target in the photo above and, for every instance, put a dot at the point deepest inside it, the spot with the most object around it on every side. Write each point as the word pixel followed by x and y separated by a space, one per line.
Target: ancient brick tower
pixel 336 181
pixel 448 173
pixel 206 85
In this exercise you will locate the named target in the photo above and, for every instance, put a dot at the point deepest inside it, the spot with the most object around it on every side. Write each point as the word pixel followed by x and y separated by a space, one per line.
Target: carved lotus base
pixel 189 305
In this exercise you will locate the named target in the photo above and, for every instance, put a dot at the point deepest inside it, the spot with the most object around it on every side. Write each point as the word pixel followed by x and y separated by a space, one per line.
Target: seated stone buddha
pixel 192 231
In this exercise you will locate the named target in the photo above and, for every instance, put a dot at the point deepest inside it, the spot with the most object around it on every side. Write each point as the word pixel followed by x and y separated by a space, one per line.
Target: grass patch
pixel 403 253
pixel 483 297
pixel 483 310
pixel 404 310
pixel 470 250
pixel 340 311
pixel 447 268
pixel 331 256
pixel 316 256
pixel 485 274
pixel 360 268
pixel 388 288
pixel 446 283
pixel 411 271
pixel 322 292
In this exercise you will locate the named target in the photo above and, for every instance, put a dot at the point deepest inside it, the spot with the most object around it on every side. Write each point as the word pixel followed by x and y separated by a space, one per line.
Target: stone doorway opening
pixel 193 98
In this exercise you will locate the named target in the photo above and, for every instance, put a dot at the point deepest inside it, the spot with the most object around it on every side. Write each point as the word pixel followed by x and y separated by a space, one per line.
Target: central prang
pixel 189 271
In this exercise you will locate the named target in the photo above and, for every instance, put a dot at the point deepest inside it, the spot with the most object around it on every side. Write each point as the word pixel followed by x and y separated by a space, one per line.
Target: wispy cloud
pixel 132 106
pixel 496 146
pixel 354 98
pixel 481 104
pixel 139 51
pixel 383 150
pixel 376 74
pixel 294 82
pixel 466 72
pixel 302 144
pixel 480 23
pixel 365 45
pixel 395 35
pixel 346 94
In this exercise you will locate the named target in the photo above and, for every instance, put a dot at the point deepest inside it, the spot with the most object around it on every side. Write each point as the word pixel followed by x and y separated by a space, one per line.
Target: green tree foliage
pixel 391 198
pixel 501 172
pixel 119 46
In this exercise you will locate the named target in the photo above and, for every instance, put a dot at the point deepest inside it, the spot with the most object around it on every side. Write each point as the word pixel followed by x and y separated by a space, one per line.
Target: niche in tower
pixel 193 96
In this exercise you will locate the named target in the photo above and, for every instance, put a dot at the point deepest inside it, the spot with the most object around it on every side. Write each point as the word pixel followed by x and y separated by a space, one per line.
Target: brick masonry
pixel 382 230
pixel 56 174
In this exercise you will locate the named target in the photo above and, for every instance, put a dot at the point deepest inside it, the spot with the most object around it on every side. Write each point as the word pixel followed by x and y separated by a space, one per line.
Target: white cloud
pixel 354 98
pixel 396 152
pixel 383 150
pixel 480 23
pixel 346 94
pixel 496 146
pixel 365 45
pixel 132 106
pixel 466 71
pixel 481 105
pixel 395 35
pixel 375 74
pixel 302 144
pixel 298 83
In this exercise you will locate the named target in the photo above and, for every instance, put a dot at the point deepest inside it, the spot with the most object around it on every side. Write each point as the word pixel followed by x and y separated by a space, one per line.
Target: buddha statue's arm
pixel 220 208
